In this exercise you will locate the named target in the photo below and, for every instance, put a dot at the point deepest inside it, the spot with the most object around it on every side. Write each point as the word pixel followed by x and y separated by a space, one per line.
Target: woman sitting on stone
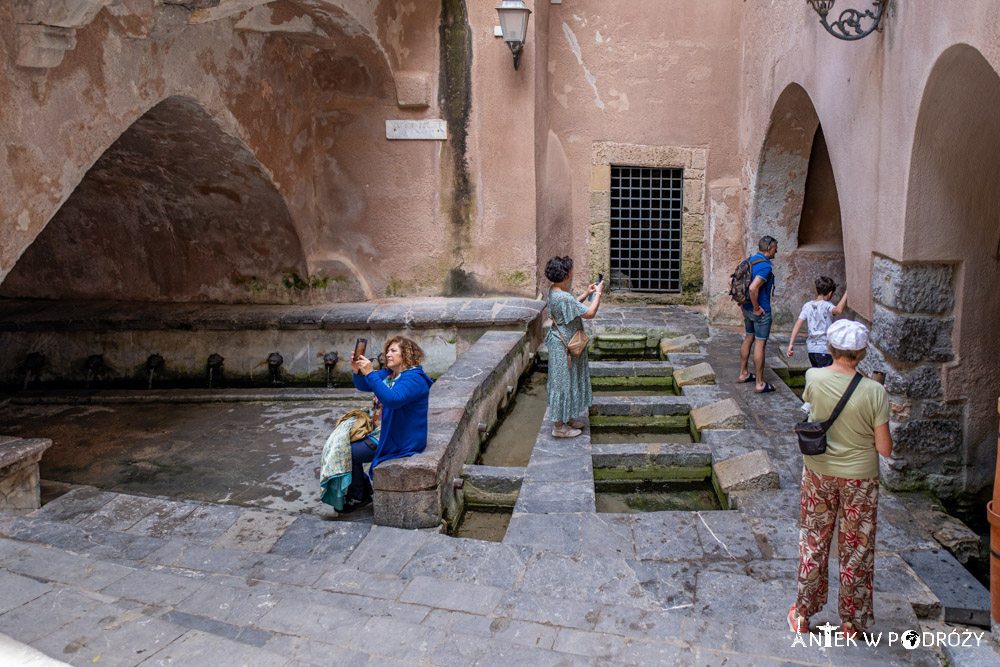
pixel 840 486
pixel 569 392
pixel 401 390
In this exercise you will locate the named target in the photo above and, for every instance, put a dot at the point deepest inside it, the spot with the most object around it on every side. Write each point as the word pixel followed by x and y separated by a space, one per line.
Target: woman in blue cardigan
pixel 401 389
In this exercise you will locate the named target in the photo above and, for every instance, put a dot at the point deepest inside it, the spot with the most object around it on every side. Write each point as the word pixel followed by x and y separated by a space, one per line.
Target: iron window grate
pixel 646 214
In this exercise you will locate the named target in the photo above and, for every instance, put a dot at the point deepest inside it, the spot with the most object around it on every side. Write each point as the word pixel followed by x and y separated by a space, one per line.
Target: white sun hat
pixel 847 335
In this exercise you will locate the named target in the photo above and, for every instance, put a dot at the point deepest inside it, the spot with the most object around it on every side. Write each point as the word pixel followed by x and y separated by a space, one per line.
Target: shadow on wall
pixel 174 210
pixel 795 201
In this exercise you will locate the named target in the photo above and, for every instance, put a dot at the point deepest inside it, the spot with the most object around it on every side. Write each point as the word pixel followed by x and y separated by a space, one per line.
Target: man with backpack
pixel 752 285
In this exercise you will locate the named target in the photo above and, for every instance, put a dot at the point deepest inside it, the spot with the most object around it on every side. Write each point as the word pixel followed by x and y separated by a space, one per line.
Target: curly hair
pixel 558 268
pixel 410 351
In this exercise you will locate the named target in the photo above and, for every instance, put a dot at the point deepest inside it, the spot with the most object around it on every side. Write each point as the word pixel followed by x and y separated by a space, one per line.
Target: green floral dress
pixel 568 388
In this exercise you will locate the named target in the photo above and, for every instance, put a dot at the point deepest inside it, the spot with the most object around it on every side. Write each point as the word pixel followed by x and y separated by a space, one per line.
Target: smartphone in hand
pixel 600 279
pixel 360 347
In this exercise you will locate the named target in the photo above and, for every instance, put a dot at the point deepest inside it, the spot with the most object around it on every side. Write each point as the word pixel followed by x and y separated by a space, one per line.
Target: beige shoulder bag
pixel 576 345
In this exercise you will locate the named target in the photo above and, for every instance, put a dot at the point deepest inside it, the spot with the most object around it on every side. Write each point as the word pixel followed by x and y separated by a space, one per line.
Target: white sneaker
pixel 575 423
pixel 565 431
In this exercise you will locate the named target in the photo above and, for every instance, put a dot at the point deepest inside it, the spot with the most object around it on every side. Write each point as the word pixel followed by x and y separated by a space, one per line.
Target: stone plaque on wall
pixel 416 129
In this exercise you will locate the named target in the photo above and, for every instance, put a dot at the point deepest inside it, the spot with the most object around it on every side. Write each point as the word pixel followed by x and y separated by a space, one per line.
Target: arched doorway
pixel 174 210
pixel 795 200
pixel 943 312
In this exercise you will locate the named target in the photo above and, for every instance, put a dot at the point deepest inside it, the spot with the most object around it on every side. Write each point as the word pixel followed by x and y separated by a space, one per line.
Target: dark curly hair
pixel 825 285
pixel 410 351
pixel 558 268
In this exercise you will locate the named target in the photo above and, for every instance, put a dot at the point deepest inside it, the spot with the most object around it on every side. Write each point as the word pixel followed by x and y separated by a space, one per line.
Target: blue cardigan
pixel 404 412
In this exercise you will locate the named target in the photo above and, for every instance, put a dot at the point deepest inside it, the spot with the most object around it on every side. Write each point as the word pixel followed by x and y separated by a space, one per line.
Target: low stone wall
pixel 418 491
pixel 65 334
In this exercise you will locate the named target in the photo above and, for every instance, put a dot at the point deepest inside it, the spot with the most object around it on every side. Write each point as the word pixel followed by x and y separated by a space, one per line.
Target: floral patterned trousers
pixel 851 503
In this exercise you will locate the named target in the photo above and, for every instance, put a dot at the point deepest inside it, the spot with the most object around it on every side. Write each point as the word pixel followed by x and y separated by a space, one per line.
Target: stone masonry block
pixel 43 46
pixel 492 485
pixel 600 207
pixel 600 177
pixel 722 415
pixel 413 89
pixel 927 440
pixel 685 343
pixel 912 338
pixel 694 196
pixel 914 288
pixel 698 374
pixel 753 471
pixel 19 480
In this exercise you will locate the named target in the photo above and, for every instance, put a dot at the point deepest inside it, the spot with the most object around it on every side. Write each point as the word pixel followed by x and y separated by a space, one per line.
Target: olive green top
pixel 850 450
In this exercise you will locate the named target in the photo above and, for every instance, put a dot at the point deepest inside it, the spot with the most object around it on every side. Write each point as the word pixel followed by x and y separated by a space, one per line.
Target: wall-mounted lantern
pixel 850 24
pixel 514 25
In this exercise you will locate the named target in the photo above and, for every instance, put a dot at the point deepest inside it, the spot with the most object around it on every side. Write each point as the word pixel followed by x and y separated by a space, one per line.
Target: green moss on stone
pixel 657 473
pixel 648 423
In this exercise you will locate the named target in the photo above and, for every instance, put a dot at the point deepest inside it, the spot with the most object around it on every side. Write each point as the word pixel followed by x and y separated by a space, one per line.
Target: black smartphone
pixel 359 348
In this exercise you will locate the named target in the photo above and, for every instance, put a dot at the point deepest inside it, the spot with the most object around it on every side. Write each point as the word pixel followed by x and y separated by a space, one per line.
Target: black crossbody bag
pixel 812 435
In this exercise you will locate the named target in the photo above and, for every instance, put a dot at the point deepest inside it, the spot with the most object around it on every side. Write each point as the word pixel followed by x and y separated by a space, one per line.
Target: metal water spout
pixel 213 366
pixel 153 364
pixel 274 361
pixel 93 366
pixel 330 360
pixel 32 366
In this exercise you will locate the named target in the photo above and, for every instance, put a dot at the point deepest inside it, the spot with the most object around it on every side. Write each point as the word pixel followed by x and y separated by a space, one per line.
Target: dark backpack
pixel 739 282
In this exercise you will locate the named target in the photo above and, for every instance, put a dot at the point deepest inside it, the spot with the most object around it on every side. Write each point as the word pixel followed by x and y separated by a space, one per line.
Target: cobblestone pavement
pixel 100 577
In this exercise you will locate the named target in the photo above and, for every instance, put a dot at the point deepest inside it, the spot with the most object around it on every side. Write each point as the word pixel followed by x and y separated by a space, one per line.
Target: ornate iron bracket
pixel 850 24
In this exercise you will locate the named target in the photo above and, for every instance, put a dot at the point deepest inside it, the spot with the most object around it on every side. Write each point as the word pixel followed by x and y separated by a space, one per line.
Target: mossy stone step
pixel 621 342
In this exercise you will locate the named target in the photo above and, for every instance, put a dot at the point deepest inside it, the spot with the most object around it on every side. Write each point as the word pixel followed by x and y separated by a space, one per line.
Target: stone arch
pixel 937 308
pixel 176 209
pixel 795 200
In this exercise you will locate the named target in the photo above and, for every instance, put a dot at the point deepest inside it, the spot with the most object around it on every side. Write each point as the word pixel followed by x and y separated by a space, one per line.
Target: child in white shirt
pixel 819 314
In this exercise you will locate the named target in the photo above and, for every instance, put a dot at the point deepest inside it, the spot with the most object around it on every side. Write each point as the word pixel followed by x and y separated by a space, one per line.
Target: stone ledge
pixel 649 455
pixel 35 315
pixel 417 491
pixel 640 406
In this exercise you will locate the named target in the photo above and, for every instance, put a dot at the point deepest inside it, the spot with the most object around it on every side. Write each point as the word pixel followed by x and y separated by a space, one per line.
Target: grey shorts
pixel 758 325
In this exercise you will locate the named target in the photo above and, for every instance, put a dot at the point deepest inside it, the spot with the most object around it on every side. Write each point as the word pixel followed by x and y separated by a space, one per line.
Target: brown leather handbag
pixel 576 345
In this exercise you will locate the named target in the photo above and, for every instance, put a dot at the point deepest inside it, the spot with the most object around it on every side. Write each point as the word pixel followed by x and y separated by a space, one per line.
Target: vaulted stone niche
pixel 795 200
pixel 174 210
pixel 937 316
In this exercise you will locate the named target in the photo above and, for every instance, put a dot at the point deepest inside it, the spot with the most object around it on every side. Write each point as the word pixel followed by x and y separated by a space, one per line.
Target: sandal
pixel 848 630
pixel 795 622
pixel 768 388
pixel 750 378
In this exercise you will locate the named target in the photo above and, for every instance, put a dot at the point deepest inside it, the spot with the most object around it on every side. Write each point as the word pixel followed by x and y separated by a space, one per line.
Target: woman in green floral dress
pixel 569 391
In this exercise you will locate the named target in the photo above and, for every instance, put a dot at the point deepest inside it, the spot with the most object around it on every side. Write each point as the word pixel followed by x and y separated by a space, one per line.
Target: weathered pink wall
pixel 663 73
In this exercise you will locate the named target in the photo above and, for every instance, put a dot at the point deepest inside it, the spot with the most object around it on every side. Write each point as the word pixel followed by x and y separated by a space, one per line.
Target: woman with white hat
pixel 840 486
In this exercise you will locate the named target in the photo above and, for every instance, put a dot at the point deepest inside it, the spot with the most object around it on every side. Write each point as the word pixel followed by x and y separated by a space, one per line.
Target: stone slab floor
pixel 103 577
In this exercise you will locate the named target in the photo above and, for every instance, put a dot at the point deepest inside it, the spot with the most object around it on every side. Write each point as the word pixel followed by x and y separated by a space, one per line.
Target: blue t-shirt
pixel 762 270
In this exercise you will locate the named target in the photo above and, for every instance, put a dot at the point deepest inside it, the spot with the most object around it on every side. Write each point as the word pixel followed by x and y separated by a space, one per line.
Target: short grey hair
pixel 766 242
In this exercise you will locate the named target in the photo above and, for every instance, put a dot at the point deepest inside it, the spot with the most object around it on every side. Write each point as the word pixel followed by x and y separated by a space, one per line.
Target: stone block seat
pixel 19 488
